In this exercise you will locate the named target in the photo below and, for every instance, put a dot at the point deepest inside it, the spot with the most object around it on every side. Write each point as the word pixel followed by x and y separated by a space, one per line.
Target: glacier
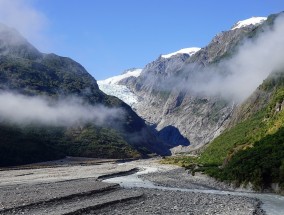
pixel 111 87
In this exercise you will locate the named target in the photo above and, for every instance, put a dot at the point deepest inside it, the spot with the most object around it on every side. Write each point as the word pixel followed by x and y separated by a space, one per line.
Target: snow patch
pixel 189 51
pixel 127 74
pixel 250 21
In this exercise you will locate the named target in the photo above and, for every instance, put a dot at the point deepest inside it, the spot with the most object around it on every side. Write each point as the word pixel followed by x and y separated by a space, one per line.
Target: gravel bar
pixel 76 190
pixel 182 203
pixel 27 194
pixel 77 204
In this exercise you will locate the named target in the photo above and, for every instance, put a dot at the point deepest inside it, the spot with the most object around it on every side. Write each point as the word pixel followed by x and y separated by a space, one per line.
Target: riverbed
pixel 79 186
pixel 152 177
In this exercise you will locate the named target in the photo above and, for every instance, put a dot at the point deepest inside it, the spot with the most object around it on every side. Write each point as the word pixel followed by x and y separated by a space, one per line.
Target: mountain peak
pixel 10 35
pixel 250 21
pixel 189 51
pixel 14 44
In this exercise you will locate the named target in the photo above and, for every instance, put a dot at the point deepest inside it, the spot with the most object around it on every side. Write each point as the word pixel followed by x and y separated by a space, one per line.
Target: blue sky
pixel 110 36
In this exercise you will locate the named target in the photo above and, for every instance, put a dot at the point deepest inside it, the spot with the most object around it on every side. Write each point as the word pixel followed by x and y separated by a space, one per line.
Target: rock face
pixel 198 118
pixel 167 102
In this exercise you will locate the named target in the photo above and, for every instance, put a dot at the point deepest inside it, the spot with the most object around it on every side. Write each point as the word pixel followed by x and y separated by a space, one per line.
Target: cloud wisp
pixel 23 110
pixel 235 78
pixel 26 18
pixel 246 70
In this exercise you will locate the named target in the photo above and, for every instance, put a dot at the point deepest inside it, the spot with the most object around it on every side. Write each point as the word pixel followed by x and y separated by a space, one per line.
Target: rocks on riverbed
pixel 182 203
pixel 75 190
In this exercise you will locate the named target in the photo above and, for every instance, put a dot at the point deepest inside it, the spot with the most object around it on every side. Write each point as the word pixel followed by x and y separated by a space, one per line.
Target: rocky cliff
pixel 167 93
pixel 168 100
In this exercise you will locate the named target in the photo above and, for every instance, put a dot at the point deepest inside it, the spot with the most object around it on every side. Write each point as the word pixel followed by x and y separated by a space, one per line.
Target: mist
pixel 23 110
pixel 235 78
pixel 27 19
pixel 239 76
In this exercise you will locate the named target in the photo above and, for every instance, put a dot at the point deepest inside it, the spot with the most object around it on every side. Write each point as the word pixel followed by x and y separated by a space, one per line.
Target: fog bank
pixel 22 110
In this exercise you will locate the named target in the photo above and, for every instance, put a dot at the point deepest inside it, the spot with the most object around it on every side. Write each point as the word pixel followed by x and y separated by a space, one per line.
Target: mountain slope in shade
pixel 169 134
pixel 26 72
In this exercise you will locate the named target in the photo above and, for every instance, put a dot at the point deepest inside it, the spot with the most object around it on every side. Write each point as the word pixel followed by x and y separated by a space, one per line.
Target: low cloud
pixel 26 18
pixel 235 78
pixel 239 76
pixel 23 110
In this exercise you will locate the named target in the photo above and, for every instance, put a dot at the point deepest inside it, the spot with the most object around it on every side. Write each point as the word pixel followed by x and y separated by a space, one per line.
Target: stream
pixel 272 204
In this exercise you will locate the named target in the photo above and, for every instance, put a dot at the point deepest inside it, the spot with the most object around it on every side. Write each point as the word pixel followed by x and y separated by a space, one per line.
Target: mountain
pixel 52 107
pixel 189 51
pixel 165 98
pixel 250 150
pixel 254 21
pixel 169 134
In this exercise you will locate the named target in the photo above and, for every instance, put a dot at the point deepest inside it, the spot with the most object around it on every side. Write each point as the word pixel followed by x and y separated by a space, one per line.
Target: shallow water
pixel 272 204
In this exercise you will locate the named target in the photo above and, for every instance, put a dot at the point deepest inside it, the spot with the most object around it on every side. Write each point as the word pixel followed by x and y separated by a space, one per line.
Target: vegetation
pixel 25 70
pixel 251 151
pixel 29 144
pixel 101 142
pixel 189 162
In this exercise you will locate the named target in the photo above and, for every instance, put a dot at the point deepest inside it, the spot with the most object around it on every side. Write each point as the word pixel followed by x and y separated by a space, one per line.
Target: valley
pixel 219 104
pixel 194 131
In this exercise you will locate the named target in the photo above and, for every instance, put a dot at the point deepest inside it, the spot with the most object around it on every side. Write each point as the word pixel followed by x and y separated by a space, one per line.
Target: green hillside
pixel 253 150
pixel 26 71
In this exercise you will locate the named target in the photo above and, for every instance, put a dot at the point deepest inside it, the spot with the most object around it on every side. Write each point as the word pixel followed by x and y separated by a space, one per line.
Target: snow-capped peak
pixel 126 74
pixel 250 21
pixel 189 51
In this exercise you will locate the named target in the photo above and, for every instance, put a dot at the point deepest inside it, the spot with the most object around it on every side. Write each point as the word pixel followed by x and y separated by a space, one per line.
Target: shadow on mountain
pixel 171 137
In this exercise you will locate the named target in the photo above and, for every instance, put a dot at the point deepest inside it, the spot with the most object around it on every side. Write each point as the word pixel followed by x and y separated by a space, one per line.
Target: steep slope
pixel 167 99
pixel 251 21
pixel 252 148
pixel 168 134
pixel 169 89
pixel 50 79
pixel 189 51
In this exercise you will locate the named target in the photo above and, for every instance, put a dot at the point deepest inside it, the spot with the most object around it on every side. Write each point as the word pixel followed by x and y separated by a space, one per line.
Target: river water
pixel 272 204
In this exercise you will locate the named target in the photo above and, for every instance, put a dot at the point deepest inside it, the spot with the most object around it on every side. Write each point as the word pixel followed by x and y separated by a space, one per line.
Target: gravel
pixel 75 189
pixel 26 194
pixel 183 203
pixel 180 178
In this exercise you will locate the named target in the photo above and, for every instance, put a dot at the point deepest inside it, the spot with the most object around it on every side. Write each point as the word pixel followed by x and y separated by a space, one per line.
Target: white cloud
pixel 21 109
pixel 237 77
pixel 23 16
